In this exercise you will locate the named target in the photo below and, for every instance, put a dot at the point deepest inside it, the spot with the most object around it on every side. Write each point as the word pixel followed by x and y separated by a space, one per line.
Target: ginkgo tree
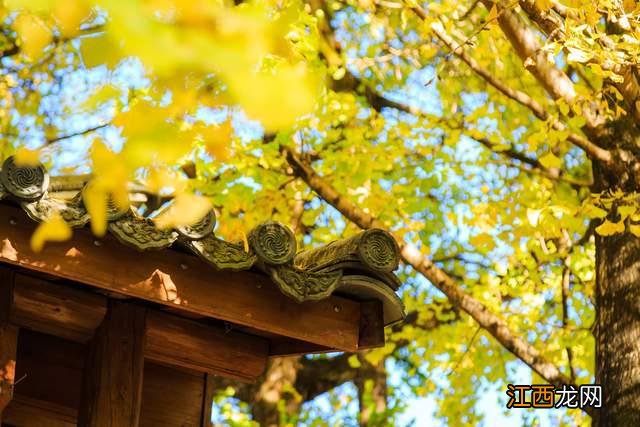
pixel 498 141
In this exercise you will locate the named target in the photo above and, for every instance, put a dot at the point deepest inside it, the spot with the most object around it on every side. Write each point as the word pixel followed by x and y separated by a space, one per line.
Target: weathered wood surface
pixel 112 378
pixel 209 391
pixel 284 347
pixel 56 309
pixel 171 398
pixel 27 412
pixel 75 314
pixel 181 281
pixel 49 395
pixel 371 325
pixel 49 369
pixel 49 375
pixel 205 348
pixel 8 344
pixel 8 340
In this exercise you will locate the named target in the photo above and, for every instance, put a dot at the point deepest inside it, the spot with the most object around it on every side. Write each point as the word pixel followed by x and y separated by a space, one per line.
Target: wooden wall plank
pixel 49 369
pixel 8 340
pixel 205 348
pixel 49 395
pixel 181 281
pixel 112 378
pixel 56 309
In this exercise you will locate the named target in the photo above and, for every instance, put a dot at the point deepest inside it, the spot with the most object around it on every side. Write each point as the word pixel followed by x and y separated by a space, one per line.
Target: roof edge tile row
pixel 360 267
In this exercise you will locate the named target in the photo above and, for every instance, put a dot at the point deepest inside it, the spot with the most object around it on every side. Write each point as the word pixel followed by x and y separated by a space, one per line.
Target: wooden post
pixel 8 340
pixel 207 400
pixel 112 379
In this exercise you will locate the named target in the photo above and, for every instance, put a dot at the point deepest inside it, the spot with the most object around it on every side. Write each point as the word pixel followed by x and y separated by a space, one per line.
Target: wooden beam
pixel 181 281
pixel 285 347
pixel 8 340
pixel 371 334
pixel 112 380
pixel 371 325
pixel 205 348
pixel 56 309
pixel 75 314
pixel 26 411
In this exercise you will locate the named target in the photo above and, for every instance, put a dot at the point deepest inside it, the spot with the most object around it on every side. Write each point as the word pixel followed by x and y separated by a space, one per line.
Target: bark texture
pixel 617 327
pixel 372 392
pixel 277 384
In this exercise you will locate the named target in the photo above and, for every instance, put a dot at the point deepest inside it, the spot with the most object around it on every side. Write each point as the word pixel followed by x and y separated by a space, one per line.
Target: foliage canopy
pixel 478 132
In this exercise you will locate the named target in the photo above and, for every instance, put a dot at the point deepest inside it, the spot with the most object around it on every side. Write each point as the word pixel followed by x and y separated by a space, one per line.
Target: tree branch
pixel 331 50
pixel 412 256
pixel 71 135
pixel 593 151
pixel 527 46
pixel 536 166
pixel 550 22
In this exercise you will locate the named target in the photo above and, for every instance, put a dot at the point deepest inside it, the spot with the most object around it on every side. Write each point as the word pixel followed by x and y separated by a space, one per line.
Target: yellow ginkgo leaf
pixel 293 89
pixel 635 229
pixel 550 160
pixel 544 5
pixel 245 241
pixel 217 139
pixel 25 157
pixel 626 210
pixel 162 179
pixel 493 14
pixel 69 15
pixel 53 230
pixel 95 200
pixel 108 166
pixel 353 361
pixel 38 6
pixel 103 94
pixel 186 209
pixel 99 50
pixel 34 34
pixel 629 5
pixel 608 228
pixel 592 211
pixel 483 241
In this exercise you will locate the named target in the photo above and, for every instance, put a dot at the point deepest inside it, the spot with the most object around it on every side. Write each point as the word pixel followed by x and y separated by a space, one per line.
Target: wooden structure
pixel 128 329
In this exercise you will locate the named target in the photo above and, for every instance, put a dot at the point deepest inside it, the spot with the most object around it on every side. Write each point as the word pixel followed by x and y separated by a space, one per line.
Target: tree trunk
pixel 617 325
pixel 618 329
pixel 277 385
pixel 372 392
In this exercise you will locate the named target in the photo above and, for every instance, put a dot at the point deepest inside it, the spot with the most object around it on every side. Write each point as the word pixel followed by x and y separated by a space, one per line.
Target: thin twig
pixel 469 344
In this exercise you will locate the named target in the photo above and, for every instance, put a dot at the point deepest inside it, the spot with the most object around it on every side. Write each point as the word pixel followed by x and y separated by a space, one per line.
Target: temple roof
pixel 360 267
